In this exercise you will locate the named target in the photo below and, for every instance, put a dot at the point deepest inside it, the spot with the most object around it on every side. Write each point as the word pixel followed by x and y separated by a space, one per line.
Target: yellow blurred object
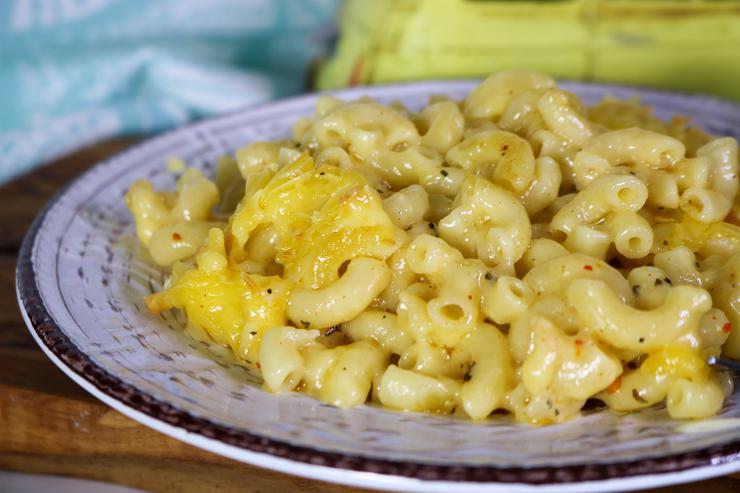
pixel 691 45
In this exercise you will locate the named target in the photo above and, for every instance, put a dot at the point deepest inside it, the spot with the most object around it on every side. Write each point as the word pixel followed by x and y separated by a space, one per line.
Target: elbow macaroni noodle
pixel 514 252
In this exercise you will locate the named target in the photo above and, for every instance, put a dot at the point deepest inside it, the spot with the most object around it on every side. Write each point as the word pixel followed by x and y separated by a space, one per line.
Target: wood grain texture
pixel 49 425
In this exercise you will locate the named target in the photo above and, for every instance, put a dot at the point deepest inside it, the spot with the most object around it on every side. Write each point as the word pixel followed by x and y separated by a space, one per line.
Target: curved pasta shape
pixel 493 95
pixel 545 185
pixel 589 240
pixel 629 328
pixel 704 205
pixel 489 223
pixel 713 202
pixel 540 251
pixel 491 375
pixel 693 172
pixel 554 276
pixel 343 376
pixel 694 400
pixel 604 195
pixel 723 156
pixel 506 299
pixel 380 326
pixel 339 158
pixel 454 309
pixel 631 233
pixel 629 146
pixel 435 360
pixel 149 209
pixel 453 313
pixel 196 196
pixel 575 367
pixel 521 115
pixel 411 391
pixel 401 278
pixel 281 361
pixel 441 126
pixel 713 331
pixel 363 126
pixel 680 265
pixel 650 285
pixel 635 390
pixel 194 199
pixel 504 157
pixel 412 164
pixel 430 255
pixel 407 206
pixel 561 117
pixel 342 300
pixel 653 379
pixel 259 157
pixel 555 309
pixel 179 241
pixel 545 142
pixel 663 190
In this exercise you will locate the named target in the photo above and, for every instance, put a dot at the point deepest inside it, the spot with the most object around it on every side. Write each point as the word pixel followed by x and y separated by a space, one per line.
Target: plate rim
pixel 248 447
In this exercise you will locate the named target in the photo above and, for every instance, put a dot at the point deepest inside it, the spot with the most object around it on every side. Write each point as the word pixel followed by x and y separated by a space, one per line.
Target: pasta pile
pixel 514 252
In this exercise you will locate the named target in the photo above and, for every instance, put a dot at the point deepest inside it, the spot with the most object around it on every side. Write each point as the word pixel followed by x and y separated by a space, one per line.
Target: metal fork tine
pixel 730 364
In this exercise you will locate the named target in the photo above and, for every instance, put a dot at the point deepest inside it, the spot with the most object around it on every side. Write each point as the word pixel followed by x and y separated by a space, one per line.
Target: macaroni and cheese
pixel 515 252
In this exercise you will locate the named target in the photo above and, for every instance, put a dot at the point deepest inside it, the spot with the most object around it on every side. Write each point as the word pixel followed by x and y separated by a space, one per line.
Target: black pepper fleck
pixel 331 330
pixel 636 396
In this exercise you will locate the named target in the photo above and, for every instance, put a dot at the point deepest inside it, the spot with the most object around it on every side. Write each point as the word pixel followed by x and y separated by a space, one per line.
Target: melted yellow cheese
pixel 234 308
pixel 323 216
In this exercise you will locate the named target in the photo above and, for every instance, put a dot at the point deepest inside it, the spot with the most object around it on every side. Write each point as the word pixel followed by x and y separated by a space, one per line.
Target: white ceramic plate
pixel 81 283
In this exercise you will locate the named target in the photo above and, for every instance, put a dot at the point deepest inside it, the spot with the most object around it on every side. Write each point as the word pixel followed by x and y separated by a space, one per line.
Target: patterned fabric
pixel 76 71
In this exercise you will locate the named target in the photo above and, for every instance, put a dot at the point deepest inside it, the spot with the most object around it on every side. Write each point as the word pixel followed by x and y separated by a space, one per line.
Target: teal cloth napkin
pixel 76 71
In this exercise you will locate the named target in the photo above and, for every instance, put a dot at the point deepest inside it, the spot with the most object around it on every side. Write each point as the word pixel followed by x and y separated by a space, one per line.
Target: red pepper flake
pixel 726 327
pixel 588 267
pixel 579 342
pixel 614 387
pixel 176 237
pixel 258 365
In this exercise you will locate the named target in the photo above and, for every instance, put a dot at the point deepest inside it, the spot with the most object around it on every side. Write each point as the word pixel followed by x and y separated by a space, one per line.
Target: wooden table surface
pixel 49 425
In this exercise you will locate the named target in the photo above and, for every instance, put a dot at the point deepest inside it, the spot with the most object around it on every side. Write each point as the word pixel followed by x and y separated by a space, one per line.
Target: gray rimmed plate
pixel 81 283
